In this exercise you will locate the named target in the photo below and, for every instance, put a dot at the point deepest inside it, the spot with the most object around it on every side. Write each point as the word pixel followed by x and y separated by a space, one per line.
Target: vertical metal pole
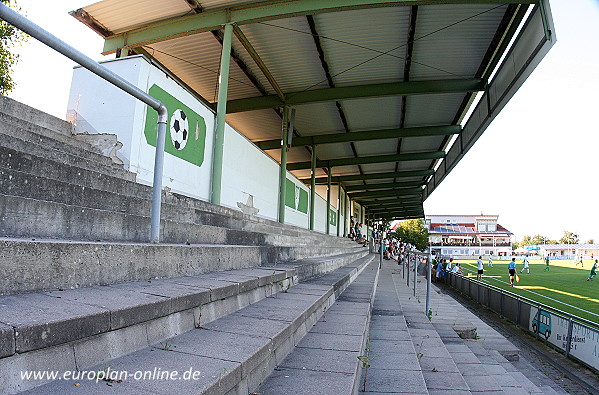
pixel 338 207
pixel 428 283
pixel 283 174
pixel 221 112
pixel 328 227
pixel 415 273
pixel 313 187
pixel 345 218
pixel 157 183
pixel 408 271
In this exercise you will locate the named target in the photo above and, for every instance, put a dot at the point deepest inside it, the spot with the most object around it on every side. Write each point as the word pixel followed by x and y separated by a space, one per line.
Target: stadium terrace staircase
pixel 79 274
pixel 230 303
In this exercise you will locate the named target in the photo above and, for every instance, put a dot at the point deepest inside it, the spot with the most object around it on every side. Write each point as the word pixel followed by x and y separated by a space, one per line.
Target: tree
pixel 414 232
pixel 10 36
pixel 569 238
pixel 590 241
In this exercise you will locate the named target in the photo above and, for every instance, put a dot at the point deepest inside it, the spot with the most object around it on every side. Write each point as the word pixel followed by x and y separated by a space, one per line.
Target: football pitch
pixel 564 286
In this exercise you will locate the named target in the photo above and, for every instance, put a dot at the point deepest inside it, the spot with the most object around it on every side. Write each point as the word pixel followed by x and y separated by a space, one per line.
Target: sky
pixel 536 166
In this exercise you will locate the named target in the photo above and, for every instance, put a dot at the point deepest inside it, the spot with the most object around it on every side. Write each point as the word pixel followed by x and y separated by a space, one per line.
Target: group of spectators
pixel 442 266
pixel 397 250
pixel 355 231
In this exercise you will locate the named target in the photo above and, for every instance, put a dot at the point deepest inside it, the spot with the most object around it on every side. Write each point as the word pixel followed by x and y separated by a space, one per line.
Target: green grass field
pixel 564 286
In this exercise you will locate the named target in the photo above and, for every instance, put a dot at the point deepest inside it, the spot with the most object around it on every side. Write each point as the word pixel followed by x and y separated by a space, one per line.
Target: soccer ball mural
pixel 179 129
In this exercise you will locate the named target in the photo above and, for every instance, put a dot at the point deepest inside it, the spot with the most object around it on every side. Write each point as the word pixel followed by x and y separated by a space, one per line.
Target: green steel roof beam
pixel 385 185
pixel 393 192
pixel 373 176
pixel 258 12
pixel 356 92
pixel 326 138
pixel 259 62
pixel 367 160
pixel 399 205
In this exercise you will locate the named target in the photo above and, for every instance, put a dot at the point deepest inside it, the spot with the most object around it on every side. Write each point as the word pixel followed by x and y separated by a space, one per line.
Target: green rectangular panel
pixel 295 197
pixel 186 129
pixel 332 216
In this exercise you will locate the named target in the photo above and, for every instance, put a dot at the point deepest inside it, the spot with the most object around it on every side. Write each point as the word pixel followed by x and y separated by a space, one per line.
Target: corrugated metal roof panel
pixel 373 32
pixel 257 125
pixel 432 110
pixel 121 15
pixel 312 119
pixel 373 113
pixel 287 48
pixel 376 147
pixel 329 151
pixel 415 144
pixel 451 41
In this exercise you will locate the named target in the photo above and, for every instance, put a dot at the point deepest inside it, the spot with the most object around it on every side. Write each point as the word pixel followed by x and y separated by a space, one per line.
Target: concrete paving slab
pixel 327 341
pixel 482 383
pixel 472 369
pixel 444 381
pixel 42 320
pixel 351 308
pixel 183 297
pixel 218 289
pixel 399 347
pixel 235 323
pixel 395 381
pixel 306 382
pixel 428 363
pixel 248 350
pixel 379 334
pixel 392 361
pixel 126 308
pixel 349 326
pixel 322 360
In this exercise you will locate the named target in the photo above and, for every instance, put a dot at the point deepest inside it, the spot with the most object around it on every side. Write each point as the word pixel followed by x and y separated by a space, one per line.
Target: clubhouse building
pixel 467 236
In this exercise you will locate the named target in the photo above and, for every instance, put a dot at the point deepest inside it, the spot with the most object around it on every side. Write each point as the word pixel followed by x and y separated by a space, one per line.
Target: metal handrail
pixel 35 31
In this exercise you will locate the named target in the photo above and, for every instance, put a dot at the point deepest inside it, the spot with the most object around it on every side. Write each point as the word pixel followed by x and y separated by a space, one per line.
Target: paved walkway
pixel 412 354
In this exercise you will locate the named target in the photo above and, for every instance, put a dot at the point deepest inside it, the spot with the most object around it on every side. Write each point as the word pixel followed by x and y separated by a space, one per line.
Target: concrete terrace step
pixel 30 133
pixel 232 351
pixel 60 156
pixel 33 265
pixel 450 363
pixel 23 217
pixel 34 116
pixel 394 361
pixel 70 185
pixel 326 360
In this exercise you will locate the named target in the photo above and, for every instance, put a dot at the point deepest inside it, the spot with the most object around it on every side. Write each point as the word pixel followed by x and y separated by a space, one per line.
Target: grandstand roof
pixel 384 89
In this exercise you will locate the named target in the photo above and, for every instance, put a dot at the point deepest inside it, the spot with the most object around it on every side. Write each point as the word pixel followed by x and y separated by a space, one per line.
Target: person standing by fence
pixel 512 270
pixel 481 267
pixel 546 264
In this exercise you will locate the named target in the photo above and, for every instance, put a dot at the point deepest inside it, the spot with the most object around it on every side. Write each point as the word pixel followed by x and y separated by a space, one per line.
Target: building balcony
pixel 471 244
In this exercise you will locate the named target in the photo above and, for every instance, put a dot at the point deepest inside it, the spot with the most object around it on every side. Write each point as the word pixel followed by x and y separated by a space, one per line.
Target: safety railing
pixel 576 337
pixel 12 17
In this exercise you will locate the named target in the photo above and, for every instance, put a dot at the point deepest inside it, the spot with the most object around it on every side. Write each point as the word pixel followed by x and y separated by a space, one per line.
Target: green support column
pixel 313 187
pixel 221 111
pixel 328 227
pixel 338 208
pixel 283 176
pixel 345 217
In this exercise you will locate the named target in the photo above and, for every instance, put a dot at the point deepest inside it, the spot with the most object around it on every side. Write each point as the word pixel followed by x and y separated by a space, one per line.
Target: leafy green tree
pixel 10 36
pixel 569 238
pixel 414 232
pixel 590 241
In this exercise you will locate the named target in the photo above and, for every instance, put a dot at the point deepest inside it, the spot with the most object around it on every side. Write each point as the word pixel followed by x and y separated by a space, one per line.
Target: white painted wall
pixel 95 106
